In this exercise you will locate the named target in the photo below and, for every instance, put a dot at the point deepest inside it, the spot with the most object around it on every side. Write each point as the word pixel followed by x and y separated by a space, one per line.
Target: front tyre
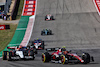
pixel 9 56
pixel 4 54
pixel 46 57
pixel 86 58
pixel 63 59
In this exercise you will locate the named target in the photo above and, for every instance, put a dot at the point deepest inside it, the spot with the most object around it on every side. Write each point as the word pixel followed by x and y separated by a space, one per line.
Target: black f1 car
pixel 49 17
pixel 23 53
pixel 38 44
pixel 46 32
pixel 66 57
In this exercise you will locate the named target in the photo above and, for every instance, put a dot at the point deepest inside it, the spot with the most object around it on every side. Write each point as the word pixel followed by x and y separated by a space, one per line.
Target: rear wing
pixel 52 49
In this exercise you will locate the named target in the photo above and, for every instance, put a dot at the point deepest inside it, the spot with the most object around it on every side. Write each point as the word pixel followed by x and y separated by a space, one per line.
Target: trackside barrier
pixel 97 5
pixel 29 9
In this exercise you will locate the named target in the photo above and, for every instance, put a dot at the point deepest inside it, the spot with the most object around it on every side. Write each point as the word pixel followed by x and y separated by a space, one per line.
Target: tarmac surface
pixel 76 23
pixel 76 26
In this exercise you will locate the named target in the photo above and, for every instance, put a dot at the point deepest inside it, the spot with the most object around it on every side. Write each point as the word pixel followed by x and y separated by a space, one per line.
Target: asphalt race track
pixel 76 23
pixel 76 26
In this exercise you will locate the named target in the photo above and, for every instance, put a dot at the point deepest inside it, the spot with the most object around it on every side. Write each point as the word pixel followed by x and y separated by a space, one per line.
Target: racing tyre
pixel 42 33
pixel 46 57
pixel 25 53
pixel 32 54
pixel 63 59
pixel 52 18
pixel 86 58
pixel 35 51
pixel 43 42
pixel 42 46
pixel 4 55
pixel 50 32
pixel 9 56
pixel 45 17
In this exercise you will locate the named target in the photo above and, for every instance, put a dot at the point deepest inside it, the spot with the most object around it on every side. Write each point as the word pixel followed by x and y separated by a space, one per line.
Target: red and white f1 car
pixel 49 17
pixel 66 57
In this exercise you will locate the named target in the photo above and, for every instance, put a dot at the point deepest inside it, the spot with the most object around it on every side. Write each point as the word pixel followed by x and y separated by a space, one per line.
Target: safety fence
pixel 29 8
pixel 97 5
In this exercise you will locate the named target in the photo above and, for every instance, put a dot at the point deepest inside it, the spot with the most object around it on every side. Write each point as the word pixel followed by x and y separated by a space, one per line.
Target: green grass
pixel 6 35
pixel 20 9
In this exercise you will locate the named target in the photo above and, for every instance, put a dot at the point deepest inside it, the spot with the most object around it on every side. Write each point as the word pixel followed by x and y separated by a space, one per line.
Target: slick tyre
pixel 52 18
pixel 46 57
pixel 42 46
pixel 4 54
pixel 32 54
pixel 86 58
pixel 9 56
pixel 50 32
pixel 41 33
pixel 45 17
pixel 63 59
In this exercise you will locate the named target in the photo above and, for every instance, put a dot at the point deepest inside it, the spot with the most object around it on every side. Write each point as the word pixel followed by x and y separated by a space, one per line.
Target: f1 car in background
pixel 49 17
pixel 65 57
pixel 38 44
pixel 46 32
pixel 16 53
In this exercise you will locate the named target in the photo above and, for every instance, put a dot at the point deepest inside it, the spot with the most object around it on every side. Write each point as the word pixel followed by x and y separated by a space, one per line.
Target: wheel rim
pixel 43 58
pixel 3 55
pixel 63 59
pixel 7 55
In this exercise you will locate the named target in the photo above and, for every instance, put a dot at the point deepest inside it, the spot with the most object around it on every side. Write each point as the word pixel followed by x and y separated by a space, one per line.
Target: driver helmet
pixel 37 38
pixel 46 29
pixel 63 48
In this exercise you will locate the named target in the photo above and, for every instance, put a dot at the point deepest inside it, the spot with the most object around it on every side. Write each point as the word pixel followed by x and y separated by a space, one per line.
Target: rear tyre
pixel 50 32
pixel 41 33
pixel 42 46
pixel 46 57
pixel 86 58
pixel 45 17
pixel 52 18
pixel 9 56
pixel 32 54
pixel 4 54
